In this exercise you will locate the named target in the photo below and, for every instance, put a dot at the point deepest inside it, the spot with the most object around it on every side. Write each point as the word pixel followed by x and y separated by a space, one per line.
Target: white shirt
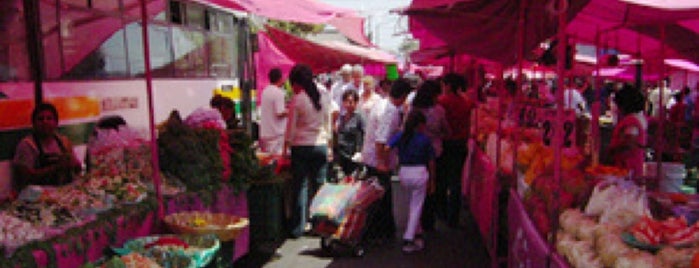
pixel 365 106
pixel 372 125
pixel 384 122
pixel 272 105
pixel 337 90
pixel 654 99
pixel 308 126
pixel 574 100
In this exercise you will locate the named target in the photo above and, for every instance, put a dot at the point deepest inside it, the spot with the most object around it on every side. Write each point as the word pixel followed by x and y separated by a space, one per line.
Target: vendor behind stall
pixel 44 157
pixel 627 148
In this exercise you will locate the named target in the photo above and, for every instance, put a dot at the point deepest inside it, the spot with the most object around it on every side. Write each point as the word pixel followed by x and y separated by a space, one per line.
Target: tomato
pixel 695 260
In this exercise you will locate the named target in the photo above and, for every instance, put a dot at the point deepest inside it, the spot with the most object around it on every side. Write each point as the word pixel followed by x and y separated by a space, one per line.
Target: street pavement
pixel 444 248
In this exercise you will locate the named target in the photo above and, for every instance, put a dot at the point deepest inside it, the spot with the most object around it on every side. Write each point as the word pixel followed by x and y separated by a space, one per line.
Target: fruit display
pixel 174 250
pixel 226 227
pixel 616 229
pixel 15 232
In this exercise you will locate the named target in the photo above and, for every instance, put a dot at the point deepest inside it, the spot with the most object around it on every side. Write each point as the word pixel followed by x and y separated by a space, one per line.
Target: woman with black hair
pixel 416 173
pixel 436 129
pixel 308 135
pixel 44 157
pixel 627 147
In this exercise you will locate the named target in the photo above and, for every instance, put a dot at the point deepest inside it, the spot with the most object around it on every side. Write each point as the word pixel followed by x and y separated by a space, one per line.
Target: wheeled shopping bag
pixel 341 222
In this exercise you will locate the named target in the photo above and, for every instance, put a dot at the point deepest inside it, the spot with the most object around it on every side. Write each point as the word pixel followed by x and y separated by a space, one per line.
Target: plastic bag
pixel 331 201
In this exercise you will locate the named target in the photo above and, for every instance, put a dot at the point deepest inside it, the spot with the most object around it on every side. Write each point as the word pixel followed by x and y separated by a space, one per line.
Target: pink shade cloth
pixel 483 29
pixel 481 181
pixel 83 32
pixel 227 202
pixel 266 58
pixel 526 246
pixel 307 11
pixel 352 27
pixel 626 26
pixel 320 57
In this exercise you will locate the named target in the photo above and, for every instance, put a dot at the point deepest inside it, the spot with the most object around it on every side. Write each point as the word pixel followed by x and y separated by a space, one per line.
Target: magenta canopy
pixel 488 29
pixel 482 28
pixel 636 29
pixel 322 57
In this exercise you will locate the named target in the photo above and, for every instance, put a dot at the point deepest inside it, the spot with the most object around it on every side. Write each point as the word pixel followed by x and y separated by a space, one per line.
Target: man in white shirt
pixel 273 114
pixel 338 88
pixel 574 100
pixel 654 97
pixel 384 122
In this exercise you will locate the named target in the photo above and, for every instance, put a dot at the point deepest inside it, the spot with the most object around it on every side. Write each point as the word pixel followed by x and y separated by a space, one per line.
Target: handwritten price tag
pixel 549 117
pixel 528 116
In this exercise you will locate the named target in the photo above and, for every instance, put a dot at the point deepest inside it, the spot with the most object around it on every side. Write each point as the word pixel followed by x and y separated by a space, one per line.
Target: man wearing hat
pixel 339 87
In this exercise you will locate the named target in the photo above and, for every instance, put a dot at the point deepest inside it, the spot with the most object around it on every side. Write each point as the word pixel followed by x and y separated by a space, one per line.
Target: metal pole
pixel 151 109
pixel 557 141
pixel 35 50
pixel 660 135
pixel 597 84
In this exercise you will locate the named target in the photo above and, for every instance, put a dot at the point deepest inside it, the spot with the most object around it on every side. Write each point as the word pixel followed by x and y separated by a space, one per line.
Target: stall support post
pixel 594 139
pixel 558 124
pixel 660 135
pixel 151 110
pixel 34 47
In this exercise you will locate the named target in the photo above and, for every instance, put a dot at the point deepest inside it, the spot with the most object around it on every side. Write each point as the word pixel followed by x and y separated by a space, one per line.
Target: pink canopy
pixel 346 21
pixel 322 57
pixel 636 29
pixel 488 29
pixel 482 28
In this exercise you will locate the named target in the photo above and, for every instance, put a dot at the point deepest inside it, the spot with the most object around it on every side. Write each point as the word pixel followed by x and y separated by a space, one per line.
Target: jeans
pixel 448 186
pixel 308 163
pixel 414 180
pixel 381 222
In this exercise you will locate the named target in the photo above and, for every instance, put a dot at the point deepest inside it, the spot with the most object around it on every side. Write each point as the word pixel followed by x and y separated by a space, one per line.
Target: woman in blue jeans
pixel 308 135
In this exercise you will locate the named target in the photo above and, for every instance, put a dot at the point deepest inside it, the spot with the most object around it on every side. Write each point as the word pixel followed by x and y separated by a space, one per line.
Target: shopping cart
pixel 339 213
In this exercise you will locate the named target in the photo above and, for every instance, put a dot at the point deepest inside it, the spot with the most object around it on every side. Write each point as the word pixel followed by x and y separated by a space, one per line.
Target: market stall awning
pixel 636 29
pixel 324 57
pixel 488 29
pixel 483 28
pixel 347 21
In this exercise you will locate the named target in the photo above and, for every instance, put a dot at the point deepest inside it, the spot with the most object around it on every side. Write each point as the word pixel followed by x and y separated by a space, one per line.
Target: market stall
pixel 546 155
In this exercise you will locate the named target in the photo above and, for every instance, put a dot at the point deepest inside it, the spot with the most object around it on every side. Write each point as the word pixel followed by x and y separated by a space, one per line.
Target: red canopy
pixel 488 29
pixel 634 28
pixel 323 57
pixel 482 28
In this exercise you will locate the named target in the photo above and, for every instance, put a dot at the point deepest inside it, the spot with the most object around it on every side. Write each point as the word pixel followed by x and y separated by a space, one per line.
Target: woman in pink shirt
pixel 628 145
pixel 308 135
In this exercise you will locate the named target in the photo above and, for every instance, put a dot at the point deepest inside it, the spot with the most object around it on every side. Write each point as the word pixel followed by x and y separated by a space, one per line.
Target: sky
pixel 387 30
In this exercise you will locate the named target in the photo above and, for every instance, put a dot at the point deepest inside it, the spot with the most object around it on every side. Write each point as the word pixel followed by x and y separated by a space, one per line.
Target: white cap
pixel 346 68
pixel 358 69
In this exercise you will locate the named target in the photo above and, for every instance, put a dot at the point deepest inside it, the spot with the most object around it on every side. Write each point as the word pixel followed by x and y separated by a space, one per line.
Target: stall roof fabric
pixel 636 29
pixel 488 29
pixel 483 28
pixel 347 21
pixel 324 57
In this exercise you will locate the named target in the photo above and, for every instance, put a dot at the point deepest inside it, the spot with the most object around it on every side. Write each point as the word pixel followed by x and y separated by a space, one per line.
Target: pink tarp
pixel 526 246
pixel 635 28
pixel 322 57
pixel 82 32
pixel 482 28
pixel 307 11
pixel 488 29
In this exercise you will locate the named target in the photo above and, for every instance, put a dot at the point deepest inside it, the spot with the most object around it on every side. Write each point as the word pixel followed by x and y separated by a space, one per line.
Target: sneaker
pixel 412 246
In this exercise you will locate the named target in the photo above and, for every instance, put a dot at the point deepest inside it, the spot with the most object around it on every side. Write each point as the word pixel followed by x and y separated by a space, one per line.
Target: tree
pixel 297 28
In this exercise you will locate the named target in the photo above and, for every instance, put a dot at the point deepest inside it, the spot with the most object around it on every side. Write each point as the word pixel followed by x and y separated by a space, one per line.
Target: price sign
pixel 549 118
pixel 528 116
